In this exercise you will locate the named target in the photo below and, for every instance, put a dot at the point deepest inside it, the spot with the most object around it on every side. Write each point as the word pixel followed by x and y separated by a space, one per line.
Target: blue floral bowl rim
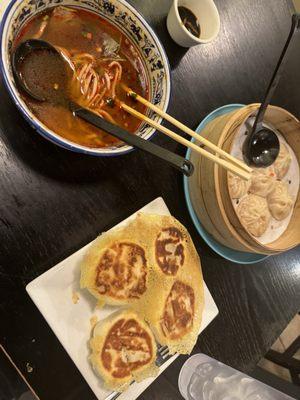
pixel 59 140
pixel 238 257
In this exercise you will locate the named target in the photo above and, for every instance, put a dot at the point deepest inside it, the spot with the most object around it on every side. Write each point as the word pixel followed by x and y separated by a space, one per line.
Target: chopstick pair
pixel 229 162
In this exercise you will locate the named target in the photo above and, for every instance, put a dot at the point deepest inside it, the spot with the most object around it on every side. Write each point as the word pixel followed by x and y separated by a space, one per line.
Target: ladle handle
pixel 276 75
pixel 176 161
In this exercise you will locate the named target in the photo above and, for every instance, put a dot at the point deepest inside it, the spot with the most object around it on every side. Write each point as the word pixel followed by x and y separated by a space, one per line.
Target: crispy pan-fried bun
pixel 174 312
pixel 153 266
pixel 123 349
pixel 171 249
pixel 174 301
pixel 115 269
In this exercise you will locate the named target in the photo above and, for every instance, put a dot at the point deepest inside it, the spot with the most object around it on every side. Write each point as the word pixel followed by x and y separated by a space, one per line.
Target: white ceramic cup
pixel 207 15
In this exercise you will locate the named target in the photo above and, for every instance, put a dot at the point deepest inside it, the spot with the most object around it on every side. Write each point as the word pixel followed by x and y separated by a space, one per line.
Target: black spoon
pixel 44 90
pixel 261 147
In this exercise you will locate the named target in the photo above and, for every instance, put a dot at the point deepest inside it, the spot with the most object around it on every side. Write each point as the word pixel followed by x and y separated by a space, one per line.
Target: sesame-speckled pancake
pixel 115 269
pixel 123 349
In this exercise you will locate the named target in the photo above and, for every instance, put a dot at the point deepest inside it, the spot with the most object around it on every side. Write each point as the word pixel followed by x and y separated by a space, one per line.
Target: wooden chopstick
pixel 189 131
pixel 223 163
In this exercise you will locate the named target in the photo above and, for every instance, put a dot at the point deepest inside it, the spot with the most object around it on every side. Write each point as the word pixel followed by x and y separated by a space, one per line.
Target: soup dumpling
pixel 254 214
pixel 282 162
pixel 237 186
pixel 280 202
pixel 262 181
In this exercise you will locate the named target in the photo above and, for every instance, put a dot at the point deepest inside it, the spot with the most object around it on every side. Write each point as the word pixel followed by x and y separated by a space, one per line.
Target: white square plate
pixel 52 293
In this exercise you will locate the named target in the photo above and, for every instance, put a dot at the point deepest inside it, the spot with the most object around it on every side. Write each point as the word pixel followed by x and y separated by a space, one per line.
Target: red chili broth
pixel 84 31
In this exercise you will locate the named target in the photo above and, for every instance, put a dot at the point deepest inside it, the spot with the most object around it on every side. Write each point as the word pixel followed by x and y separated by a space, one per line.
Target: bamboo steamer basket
pixel 209 191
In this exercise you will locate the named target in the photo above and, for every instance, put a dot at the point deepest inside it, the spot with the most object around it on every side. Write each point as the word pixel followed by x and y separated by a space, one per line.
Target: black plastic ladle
pixel 261 146
pixel 45 92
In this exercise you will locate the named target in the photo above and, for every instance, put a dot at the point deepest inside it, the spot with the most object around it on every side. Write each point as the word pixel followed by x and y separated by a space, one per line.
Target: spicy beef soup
pixel 101 59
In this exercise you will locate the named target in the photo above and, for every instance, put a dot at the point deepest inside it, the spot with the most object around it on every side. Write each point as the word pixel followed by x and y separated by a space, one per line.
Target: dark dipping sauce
pixel 190 21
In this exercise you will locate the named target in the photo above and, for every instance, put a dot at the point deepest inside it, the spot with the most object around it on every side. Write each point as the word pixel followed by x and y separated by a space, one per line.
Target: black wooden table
pixel 52 202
